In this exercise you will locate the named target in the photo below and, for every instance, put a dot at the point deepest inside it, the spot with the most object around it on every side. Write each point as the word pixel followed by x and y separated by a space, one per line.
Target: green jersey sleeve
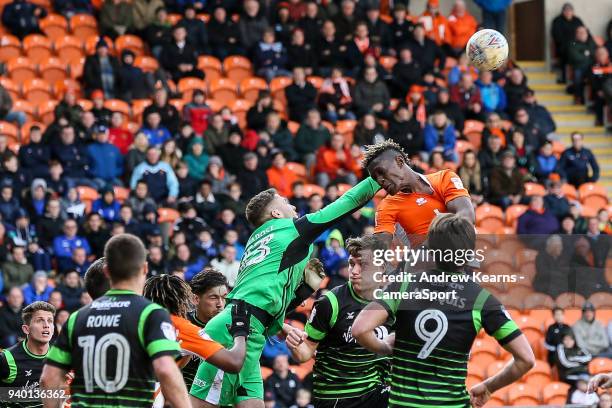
pixel 157 333
pixel 5 370
pixel 497 322
pixel 60 353
pixel 390 301
pixel 322 317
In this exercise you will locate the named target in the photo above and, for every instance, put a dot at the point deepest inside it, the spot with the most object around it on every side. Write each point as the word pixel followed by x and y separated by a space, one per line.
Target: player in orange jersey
pixel 413 199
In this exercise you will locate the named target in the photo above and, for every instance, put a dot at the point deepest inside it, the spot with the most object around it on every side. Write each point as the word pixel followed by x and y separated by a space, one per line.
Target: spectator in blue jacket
pixel 37 290
pixel 63 245
pixel 73 158
pixel 8 203
pixel 492 95
pixel 271 57
pixel 34 157
pixel 576 161
pixel 545 162
pixel 105 159
pixel 159 176
pixel 78 262
pixel 540 116
pixel 68 8
pixel 154 130
pixel 537 219
pixel 494 13
pixel 107 206
pixel 21 17
pixel 555 201
pixel 334 252
pixel 440 135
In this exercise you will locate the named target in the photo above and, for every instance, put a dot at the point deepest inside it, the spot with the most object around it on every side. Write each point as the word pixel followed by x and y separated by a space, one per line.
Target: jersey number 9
pixel 95 362
pixel 431 338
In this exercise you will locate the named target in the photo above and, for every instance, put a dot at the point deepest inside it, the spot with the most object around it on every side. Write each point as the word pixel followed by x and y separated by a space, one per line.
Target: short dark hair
pixel 255 209
pixel 367 242
pixel 96 282
pixel 373 152
pixel 450 232
pixel 207 279
pixel 29 310
pixel 125 255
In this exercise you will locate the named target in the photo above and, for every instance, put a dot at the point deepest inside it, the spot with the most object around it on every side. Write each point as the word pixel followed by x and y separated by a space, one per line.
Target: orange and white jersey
pixel 194 342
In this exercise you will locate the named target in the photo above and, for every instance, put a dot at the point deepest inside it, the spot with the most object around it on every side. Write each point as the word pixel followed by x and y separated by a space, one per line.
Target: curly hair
pixel 372 152
pixel 169 291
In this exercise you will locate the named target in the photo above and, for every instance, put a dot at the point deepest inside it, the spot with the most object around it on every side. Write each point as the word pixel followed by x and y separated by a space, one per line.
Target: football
pixel 487 50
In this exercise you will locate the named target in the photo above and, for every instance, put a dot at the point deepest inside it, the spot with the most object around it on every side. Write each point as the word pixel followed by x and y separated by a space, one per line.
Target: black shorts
pixel 377 398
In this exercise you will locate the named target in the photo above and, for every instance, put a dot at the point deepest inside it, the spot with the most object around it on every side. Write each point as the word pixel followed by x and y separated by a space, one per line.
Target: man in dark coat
pixel 180 58
pixel 563 31
pixel 101 71
pixel 301 95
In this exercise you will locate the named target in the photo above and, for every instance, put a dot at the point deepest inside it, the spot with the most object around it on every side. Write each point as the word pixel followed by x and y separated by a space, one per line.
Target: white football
pixel 487 50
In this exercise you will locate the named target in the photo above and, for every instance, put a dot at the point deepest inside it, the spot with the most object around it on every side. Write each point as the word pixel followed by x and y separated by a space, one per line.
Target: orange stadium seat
pixel 37 47
pixel 250 87
pixel 174 18
pixel 87 193
pixel 54 26
pixel 523 394
pixel 214 105
pixel 555 393
pixel 310 189
pixel 83 25
pixel 472 130
pixel 495 367
pixel 65 85
pixel 601 300
pixel 266 372
pixel 138 107
pixel 26 107
pixel 76 68
pixel 169 215
pixel 186 86
pixel 534 189
pixel 9 130
pixel 277 87
pixel 477 368
pixel 540 374
pixel 129 42
pixel 315 81
pixel 117 105
pixel 558 148
pixel 489 216
pixel 237 68
pixel 569 191
pixel 147 64
pixel 569 300
pixel 20 69
pixel 36 90
pixel 498 261
pixel 211 66
pixel 513 212
pixel 52 69
pixel 121 193
pixel 293 127
pixel 346 129
pixel 387 62
pixel 85 104
pixel 69 48
pixel 593 195
pixel 484 352
pixel 92 40
pixel 10 47
pixel 45 111
pixel 178 104
pixel 510 244
pixel 539 301
pixel 239 108
pixel 11 86
pixel 600 365
pixel 224 90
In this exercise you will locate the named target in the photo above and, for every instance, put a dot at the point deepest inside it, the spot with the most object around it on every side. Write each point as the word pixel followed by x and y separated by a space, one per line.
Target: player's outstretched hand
pixel 294 338
pixel 479 395
pixel 240 319
pixel 314 273
pixel 600 380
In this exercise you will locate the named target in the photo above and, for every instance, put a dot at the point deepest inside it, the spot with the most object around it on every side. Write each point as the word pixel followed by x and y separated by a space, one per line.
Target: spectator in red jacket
pixel 280 176
pixel 436 25
pixel 467 95
pixel 335 163
pixel 197 112
pixel 461 26
pixel 119 135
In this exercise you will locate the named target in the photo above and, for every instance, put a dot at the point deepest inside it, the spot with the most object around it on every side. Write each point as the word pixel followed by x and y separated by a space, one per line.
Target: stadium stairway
pixel 570 117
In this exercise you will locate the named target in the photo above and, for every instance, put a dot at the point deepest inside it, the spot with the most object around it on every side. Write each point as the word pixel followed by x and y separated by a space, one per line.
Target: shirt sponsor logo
pixel 168 330
pixel 420 201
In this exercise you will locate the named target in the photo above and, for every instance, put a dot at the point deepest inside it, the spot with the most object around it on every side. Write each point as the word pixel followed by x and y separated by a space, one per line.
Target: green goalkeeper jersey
pixel 272 266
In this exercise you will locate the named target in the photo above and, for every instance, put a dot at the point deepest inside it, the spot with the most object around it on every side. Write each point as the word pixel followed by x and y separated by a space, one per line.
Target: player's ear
pixel 194 299
pixel 145 268
pixel 26 329
pixel 275 213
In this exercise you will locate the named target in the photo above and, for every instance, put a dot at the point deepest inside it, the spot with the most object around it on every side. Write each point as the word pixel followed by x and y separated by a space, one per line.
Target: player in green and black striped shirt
pixel 345 374
pixel 119 343
pixel 434 338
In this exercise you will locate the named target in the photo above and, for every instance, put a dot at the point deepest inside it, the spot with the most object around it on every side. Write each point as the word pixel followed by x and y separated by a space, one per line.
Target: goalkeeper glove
pixel 314 273
pixel 241 318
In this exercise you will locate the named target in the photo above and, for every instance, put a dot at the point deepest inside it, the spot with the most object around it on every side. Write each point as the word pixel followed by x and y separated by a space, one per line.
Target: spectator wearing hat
pixel 563 31
pixel 22 17
pixel 34 156
pixel 492 95
pixel 577 161
pixel 506 181
pixel 101 71
pixel 439 135
pixel 590 333
pixel 116 18
pixel 539 115
pixel 158 32
pixel 223 35
pixel 406 131
pixel 23 233
pixel 545 162
pixel 102 114
pixel 197 34
pixel 197 112
pixel 36 198
pixel 196 159
pixel 180 58
pixel 134 82
pixel 537 219
pixel 252 177
pixel 252 24
pixel 494 13
pixel 217 175
pixel 17 271
pixel 38 289
pixel 301 95
pixel 461 25
pixel 426 51
pixel 159 176
pixel 105 159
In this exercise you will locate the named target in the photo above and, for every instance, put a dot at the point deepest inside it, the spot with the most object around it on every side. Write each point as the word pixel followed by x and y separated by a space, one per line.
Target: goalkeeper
pixel 275 275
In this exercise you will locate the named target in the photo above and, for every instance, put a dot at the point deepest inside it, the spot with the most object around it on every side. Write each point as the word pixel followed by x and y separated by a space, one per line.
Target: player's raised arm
pixel 372 316
pixel 462 206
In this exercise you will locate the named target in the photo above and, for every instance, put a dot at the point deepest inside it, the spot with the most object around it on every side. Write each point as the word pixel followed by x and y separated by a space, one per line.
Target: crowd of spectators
pixel 206 163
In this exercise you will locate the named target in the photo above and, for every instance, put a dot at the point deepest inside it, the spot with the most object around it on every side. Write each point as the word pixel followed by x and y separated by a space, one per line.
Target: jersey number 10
pixel 434 337
pixel 95 361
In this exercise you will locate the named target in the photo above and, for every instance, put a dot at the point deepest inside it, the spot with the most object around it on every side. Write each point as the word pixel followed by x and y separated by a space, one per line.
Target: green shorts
pixel 213 385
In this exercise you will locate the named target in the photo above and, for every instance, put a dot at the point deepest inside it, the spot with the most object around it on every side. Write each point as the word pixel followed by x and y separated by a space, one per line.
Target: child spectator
pixel 335 99
pixel 107 206
pixel 555 333
pixel 334 253
pixel 197 112
pixel 118 135
pixel 302 399
pixel 156 133
pixel 270 57
pixel 581 396
pixel 545 162
pixel 572 361
pixel 440 135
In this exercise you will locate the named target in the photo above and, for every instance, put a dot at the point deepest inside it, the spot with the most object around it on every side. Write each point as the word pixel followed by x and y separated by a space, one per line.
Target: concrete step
pixel 548 87
pixel 585 130
pixel 567 109
pixel 554 99
pixel 533 66
pixel 574 119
